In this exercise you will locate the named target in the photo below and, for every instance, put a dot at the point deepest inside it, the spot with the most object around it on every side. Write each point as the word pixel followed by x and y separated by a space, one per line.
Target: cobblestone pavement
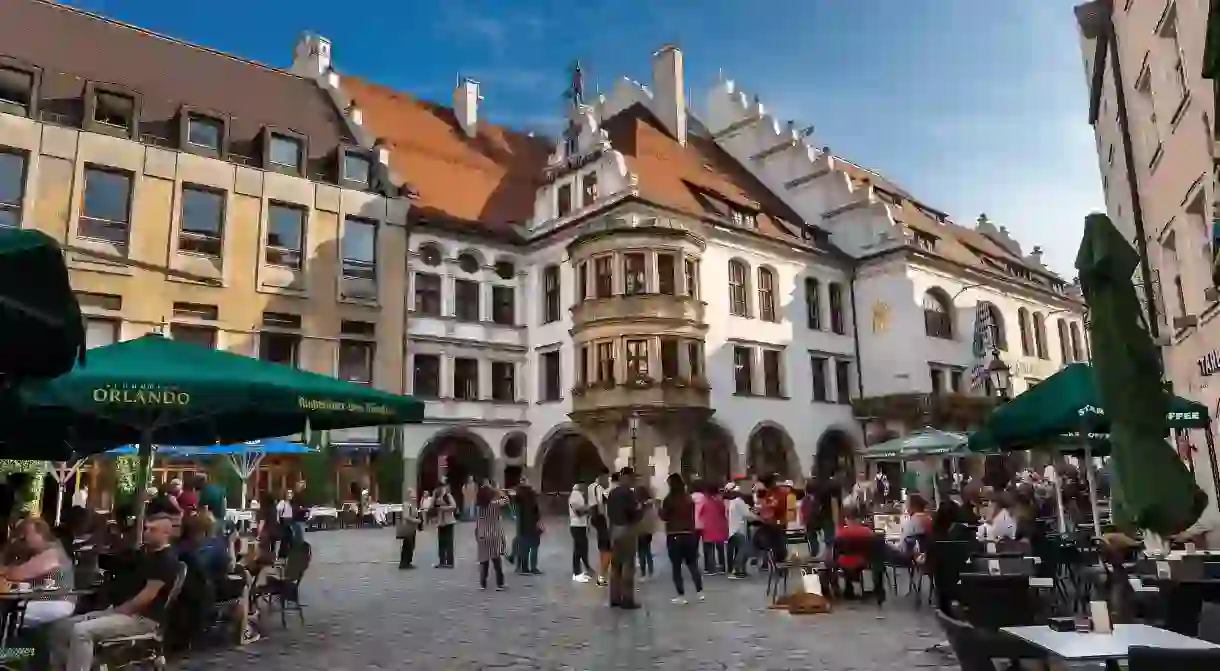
pixel 363 613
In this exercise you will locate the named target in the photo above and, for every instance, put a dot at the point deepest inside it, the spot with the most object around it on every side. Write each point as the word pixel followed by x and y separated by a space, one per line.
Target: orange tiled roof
pixel 488 180
pixel 699 179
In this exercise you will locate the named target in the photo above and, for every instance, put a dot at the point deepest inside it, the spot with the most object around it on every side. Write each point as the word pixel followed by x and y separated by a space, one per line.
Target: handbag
pixel 407 525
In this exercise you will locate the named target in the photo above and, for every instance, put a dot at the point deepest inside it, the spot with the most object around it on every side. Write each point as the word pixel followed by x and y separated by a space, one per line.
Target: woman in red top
pixel 715 525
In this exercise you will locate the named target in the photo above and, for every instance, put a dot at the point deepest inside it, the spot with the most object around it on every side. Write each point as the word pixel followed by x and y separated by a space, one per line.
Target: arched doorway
pixel 514 459
pixel 770 452
pixel 451 457
pixel 835 456
pixel 565 458
pixel 709 455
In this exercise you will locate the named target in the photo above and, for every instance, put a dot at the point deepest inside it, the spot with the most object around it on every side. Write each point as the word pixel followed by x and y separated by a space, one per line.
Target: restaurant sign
pixel 146 394
pixel 327 405
pixel 1209 363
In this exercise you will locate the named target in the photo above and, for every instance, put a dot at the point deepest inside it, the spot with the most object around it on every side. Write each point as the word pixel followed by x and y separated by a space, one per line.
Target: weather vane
pixel 576 91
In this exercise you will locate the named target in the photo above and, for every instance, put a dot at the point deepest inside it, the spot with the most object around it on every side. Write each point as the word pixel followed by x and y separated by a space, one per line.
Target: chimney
pixel 669 91
pixel 1035 257
pixel 311 57
pixel 466 105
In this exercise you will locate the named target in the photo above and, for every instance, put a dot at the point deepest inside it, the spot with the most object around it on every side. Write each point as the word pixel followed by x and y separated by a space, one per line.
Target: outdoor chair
pixel 284 591
pixel 1209 623
pixel 874 552
pixel 1141 658
pixel 993 602
pixel 966 644
pixel 141 649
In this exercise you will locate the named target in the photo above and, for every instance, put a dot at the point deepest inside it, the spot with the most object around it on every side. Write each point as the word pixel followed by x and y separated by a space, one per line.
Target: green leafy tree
pixel 388 466
pixel 36 469
pixel 221 472
pixel 318 469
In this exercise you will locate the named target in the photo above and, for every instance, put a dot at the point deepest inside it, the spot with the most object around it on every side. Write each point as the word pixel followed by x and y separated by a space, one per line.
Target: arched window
pixel 430 254
pixel 1077 350
pixel 1027 342
pixel 1040 336
pixel 937 316
pixel 813 303
pixel 1064 353
pixel 766 294
pixel 738 298
pixel 995 328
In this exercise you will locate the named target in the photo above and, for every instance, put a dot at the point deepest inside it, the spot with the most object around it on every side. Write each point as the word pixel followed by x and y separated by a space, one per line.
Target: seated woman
pixel 1002 525
pixel 45 560
pixel 916 523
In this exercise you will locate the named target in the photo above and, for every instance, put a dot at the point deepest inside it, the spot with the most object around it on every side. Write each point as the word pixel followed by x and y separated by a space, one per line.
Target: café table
pixel 12 605
pixel 1075 647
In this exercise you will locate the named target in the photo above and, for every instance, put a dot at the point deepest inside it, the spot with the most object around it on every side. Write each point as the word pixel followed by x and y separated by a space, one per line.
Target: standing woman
pixel 443 510
pixel 268 530
pixel 489 533
pixel 715 531
pixel 681 543
pixel 649 521
pixel 408 525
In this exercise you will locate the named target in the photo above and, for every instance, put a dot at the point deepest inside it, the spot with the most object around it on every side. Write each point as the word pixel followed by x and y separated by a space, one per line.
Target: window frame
pixel 819 378
pixel 416 294
pixel 462 314
pixel 464 392
pixel 635 281
pixel 82 215
pixel 838 313
pixel 496 306
pixel 344 180
pixel 434 392
pixel 743 371
pixel 22 184
pixel 552 282
pixel 773 387
pixel 550 366
pixel 30 109
pixel 90 122
pixel 564 206
pixel 184 234
pixel 279 333
pixel 938 316
pixel 813 304
pixel 301 235
pixel 359 264
pixel 606 260
pixel 268 134
pixel 186 115
pixel 672 274
pixel 370 349
pixel 739 290
pixel 766 295
pixel 497 380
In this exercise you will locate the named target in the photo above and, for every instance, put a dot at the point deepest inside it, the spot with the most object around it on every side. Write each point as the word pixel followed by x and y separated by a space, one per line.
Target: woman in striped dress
pixel 489 534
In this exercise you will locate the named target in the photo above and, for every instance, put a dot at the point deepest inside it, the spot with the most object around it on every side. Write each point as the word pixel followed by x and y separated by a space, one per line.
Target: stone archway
pixel 710 455
pixel 452 456
pixel 770 451
pixel 566 456
pixel 513 452
pixel 835 456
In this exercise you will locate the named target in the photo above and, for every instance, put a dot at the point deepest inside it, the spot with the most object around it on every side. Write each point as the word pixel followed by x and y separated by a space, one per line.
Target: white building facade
pixel 704 293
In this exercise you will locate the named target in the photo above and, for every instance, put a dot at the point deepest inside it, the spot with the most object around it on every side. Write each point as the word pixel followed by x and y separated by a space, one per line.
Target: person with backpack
pixel 599 494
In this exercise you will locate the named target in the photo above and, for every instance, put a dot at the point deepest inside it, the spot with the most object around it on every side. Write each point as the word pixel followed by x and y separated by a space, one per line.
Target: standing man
pixel 529 529
pixel 599 492
pixel 624 513
pixel 468 492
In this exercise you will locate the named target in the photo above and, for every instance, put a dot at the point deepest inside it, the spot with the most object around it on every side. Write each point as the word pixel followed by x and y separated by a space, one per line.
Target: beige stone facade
pixel 151 283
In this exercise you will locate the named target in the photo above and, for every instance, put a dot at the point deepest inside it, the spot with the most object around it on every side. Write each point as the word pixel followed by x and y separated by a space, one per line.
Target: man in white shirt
pixel 1205 532
pixel 578 514
pixel 740 516
pixel 81 498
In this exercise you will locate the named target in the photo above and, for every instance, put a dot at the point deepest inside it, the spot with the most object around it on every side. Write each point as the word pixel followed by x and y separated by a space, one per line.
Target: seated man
pixel 852 541
pixel 139 604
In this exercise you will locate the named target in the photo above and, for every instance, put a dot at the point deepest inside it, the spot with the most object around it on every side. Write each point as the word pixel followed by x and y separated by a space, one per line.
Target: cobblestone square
pixel 363 613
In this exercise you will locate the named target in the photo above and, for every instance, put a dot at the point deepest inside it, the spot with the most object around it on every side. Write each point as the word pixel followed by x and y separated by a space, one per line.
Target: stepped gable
pixel 954 242
pixel 488 180
pixel 699 179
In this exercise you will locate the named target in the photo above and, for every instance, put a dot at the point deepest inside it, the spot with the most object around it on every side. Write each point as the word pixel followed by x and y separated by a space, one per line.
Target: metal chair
pixel 127 651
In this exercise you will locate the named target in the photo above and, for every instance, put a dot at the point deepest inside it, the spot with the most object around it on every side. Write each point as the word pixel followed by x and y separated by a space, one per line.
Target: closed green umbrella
pixel 42 333
pixel 1154 489
pixel 156 390
pixel 925 442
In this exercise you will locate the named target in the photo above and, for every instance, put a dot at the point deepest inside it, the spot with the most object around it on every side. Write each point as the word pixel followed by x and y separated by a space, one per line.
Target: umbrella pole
pixel 1058 494
pixel 1211 460
pixel 1090 471
pixel 145 470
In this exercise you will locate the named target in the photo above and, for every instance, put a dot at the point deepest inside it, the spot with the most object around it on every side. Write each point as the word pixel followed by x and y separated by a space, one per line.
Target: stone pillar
pixel 660 471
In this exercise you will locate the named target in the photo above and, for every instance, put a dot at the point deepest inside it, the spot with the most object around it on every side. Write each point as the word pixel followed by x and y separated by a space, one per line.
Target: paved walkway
pixel 363 613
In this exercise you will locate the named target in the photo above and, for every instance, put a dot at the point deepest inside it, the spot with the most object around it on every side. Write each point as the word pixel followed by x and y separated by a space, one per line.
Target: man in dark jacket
pixel 529 529
pixel 624 513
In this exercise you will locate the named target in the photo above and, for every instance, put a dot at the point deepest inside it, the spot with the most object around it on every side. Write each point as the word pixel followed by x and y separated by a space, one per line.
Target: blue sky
pixel 972 105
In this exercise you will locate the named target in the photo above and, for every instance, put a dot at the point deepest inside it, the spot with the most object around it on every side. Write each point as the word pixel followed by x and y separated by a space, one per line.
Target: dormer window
pixel 204 132
pixel 744 218
pixel 924 241
pixel 285 151
pixel 114 110
pixel 588 189
pixel 355 169
pixel 16 90
pixel 563 201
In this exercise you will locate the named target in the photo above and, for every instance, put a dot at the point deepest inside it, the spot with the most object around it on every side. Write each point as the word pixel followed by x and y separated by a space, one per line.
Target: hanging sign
pixel 1209 363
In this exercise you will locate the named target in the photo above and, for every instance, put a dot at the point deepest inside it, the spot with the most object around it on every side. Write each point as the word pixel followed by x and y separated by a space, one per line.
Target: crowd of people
pixel 112 587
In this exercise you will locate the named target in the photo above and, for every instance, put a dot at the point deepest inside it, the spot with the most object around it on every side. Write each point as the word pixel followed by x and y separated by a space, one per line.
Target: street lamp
pixel 1000 375
pixel 633 422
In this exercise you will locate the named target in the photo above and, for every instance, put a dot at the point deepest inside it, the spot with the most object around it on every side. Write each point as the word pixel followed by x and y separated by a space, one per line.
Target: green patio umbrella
pixel 918 444
pixel 1211 44
pixel 1156 492
pixel 1064 404
pixel 156 390
pixel 42 333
